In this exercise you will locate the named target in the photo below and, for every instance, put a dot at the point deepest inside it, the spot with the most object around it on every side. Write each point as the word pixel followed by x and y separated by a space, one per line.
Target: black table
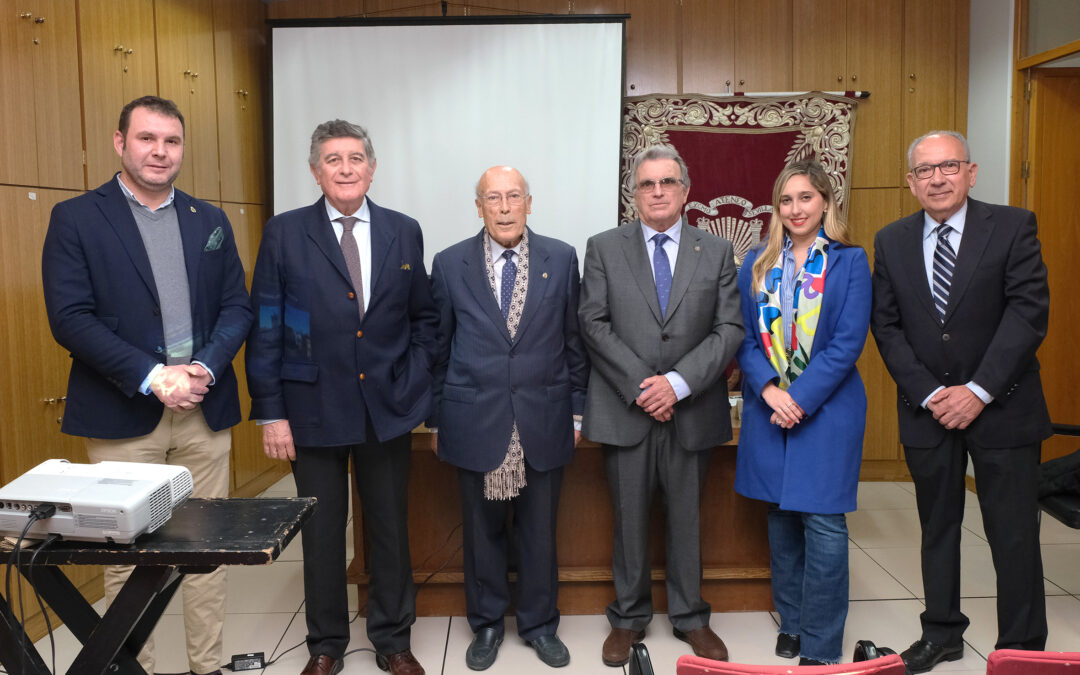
pixel 201 535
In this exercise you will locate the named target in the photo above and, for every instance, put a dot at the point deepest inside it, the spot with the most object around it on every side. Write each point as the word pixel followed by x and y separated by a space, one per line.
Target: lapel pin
pixel 192 209
pixel 697 248
pixel 544 275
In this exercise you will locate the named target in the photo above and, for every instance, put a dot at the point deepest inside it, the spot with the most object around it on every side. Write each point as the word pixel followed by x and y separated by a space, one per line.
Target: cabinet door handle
pixel 854 77
pixel 40 19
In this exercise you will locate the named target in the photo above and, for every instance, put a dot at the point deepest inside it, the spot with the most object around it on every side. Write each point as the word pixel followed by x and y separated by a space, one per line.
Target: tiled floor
pixel 265 611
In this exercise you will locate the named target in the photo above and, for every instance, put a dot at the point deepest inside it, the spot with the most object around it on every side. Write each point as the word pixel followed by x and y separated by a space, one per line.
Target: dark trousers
pixel 634 473
pixel 1007 481
pixel 486 546
pixel 381 472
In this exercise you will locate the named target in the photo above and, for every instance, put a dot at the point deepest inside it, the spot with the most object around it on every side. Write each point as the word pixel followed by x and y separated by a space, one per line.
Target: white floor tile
pixel 977 577
pixel 255 589
pixel 888 528
pixel 884 496
pixel 868 580
pixel 1061 565
pixel 1055 532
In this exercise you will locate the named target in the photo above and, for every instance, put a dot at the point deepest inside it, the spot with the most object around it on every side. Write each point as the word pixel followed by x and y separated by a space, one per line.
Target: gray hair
pixel 940 132
pixel 523 180
pixel 661 152
pixel 338 129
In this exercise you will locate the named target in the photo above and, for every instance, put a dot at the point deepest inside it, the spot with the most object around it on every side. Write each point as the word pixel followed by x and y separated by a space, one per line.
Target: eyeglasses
pixel 496 199
pixel 666 184
pixel 948 168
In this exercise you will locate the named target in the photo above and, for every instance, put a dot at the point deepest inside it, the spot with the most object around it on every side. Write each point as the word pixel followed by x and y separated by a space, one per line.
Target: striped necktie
pixel 944 264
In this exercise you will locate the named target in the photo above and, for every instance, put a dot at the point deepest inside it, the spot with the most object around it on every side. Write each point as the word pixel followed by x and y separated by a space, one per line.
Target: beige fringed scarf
pixel 506 481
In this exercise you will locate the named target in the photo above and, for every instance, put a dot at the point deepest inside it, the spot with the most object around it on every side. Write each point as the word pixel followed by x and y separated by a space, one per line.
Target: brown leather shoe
pixel 704 642
pixel 402 663
pixel 617 645
pixel 322 664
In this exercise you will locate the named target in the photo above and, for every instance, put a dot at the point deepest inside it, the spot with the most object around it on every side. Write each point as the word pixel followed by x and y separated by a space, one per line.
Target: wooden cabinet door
pixel 708 46
pixel 240 36
pixel 819 45
pixel 762 45
pixel 652 43
pixel 40 112
pixel 118 65
pixel 185 46
pixel 930 78
pixel 874 64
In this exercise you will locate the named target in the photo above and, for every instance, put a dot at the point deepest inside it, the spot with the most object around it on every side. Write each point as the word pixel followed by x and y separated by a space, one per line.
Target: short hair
pixel 661 152
pixel 338 129
pixel 940 132
pixel 161 106
pixel 523 180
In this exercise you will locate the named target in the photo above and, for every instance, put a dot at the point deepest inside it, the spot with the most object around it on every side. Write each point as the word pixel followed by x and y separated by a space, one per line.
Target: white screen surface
pixel 442 103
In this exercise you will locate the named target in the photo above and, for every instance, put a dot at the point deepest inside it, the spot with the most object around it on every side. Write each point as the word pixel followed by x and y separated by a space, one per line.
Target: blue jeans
pixel 809 557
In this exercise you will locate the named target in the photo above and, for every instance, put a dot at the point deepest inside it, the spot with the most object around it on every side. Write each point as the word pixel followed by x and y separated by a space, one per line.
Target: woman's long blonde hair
pixel 835 227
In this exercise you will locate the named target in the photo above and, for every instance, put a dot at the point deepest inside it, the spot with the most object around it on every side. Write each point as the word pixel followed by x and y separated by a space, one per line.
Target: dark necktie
pixel 661 271
pixel 351 251
pixel 509 276
pixel 944 264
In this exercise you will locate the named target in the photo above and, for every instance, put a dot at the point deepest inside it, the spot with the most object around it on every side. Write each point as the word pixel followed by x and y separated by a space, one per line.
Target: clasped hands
pixel 786 412
pixel 181 387
pixel 657 398
pixel 955 407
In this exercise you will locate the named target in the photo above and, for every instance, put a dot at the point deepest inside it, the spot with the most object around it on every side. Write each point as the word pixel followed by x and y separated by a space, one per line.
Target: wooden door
pixel 762 45
pixel 874 42
pixel 1054 156
pixel 185 47
pixel 240 37
pixel 708 46
pixel 652 44
pixel 929 73
pixel 118 65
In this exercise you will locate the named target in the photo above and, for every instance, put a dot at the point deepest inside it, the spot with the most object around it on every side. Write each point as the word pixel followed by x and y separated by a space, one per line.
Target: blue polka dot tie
pixel 509 275
pixel 661 271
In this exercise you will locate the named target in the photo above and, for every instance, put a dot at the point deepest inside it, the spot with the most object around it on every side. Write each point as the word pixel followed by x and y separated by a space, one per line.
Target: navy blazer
pixel 484 380
pixel 311 359
pixel 814 466
pixel 103 306
pixel 999 306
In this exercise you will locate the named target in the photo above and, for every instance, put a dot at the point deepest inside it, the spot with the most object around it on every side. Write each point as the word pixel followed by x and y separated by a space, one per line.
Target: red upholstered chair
pixel 1018 662
pixel 885 665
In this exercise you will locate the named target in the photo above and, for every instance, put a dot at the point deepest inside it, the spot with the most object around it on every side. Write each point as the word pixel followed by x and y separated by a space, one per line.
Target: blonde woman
pixel 806 307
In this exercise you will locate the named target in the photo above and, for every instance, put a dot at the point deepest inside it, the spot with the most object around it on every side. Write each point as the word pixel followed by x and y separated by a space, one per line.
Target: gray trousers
pixel 634 472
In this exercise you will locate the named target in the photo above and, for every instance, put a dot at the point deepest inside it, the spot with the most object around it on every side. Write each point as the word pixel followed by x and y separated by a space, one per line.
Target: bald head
pixel 503 201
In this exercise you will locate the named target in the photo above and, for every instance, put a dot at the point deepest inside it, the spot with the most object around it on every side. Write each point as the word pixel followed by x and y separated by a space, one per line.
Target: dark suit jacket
pixel 999 303
pixel 103 306
pixel 484 381
pixel 311 359
pixel 628 340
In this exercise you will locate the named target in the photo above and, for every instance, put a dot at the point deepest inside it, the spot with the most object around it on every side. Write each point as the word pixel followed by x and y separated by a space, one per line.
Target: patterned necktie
pixel 351 251
pixel 944 264
pixel 661 271
pixel 509 275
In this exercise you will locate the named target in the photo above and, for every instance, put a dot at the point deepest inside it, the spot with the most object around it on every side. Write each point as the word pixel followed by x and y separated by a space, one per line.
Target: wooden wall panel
pixel 930 66
pixel 652 40
pixel 762 45
pixel 874 64
pixel 818 62
pixel 18 144
pixel 57 114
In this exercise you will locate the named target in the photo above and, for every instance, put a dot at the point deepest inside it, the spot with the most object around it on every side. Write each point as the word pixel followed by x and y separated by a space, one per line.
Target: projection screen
pixel 444 102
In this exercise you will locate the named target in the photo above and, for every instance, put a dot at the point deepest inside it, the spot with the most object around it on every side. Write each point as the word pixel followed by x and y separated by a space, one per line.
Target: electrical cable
pixel 30 574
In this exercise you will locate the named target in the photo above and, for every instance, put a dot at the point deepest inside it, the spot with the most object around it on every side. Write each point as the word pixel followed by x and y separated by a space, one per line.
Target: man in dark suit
pixel 338 365
pixel 509 383
pixel 660 317
pixel 144 287
pixel 960 307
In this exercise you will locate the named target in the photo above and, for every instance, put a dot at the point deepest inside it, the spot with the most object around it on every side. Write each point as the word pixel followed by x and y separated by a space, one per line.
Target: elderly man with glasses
pixel 660 317
pixel 960 307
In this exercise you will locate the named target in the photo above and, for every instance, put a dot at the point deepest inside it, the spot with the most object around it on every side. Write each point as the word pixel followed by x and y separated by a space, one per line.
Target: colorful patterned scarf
pixel 791 361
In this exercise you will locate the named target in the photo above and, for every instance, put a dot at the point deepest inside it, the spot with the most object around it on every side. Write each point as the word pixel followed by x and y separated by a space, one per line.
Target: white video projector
pixel 109 501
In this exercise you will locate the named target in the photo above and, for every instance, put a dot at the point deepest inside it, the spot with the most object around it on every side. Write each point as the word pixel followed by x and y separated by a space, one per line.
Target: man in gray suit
pixel 660 318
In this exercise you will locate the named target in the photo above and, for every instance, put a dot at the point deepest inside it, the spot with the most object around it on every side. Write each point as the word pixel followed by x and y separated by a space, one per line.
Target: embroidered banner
pixel 735 147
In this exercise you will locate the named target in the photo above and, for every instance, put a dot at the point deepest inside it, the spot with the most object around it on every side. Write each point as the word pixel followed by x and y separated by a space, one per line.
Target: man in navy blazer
pixel 338 365
pixel 960 306
pixel 144 287
pixel 510 382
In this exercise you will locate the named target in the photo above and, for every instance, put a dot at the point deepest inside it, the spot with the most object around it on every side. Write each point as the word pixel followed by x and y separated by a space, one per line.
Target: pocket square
pixel 214 242
pixel 406 266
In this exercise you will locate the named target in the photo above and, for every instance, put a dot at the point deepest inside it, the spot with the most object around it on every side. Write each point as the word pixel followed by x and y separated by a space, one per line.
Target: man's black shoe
pixel 922 656
pixel 787 645
pixel 483 649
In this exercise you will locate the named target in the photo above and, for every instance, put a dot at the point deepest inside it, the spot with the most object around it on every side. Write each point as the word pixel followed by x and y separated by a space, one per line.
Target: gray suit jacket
pixel 628 340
